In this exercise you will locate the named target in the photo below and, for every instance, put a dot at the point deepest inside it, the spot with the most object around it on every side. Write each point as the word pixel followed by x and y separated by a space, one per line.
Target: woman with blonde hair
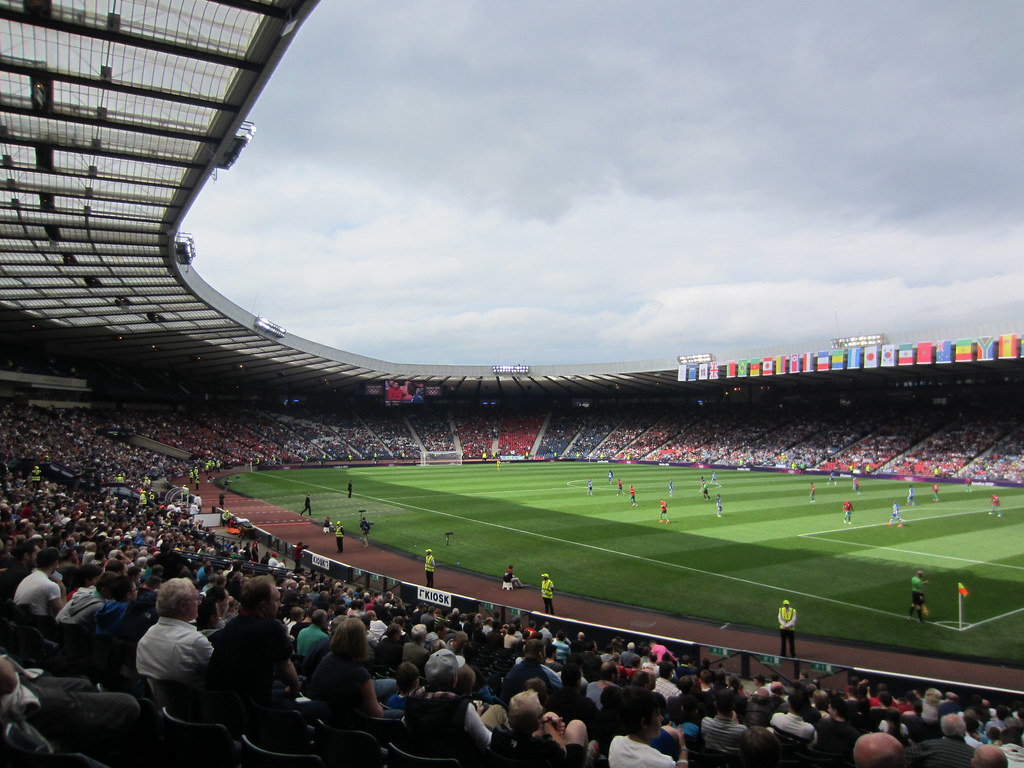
pixel 930 710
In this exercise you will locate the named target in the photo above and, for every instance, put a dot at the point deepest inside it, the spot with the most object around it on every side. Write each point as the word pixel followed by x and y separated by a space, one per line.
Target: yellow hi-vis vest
pixel 547 588
pixel 786 614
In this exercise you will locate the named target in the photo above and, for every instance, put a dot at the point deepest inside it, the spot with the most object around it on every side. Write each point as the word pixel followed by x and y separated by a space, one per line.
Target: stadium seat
pixel 224 707
pixel 340 748
pixel 24 754
pixel 493 760
pixel 399 759
pixel 255 757
pixel 187 740
pixel 171 696
pixel 384 729
pixel 279 730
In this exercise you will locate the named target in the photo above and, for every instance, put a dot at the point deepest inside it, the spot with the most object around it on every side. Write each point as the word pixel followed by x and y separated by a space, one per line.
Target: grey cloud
pixel 628 178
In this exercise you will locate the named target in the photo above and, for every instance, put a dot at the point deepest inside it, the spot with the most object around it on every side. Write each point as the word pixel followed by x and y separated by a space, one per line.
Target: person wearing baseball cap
pixel 440 720
pixel 547 591
pixel 787 631
pixel 428 567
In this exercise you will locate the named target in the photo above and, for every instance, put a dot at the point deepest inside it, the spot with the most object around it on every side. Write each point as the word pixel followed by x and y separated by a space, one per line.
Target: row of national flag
pixel 1004 347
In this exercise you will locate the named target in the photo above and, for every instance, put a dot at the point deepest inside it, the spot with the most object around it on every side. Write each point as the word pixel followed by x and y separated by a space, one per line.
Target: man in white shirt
pixel 42 591
pixel 173 648
pixel 791 723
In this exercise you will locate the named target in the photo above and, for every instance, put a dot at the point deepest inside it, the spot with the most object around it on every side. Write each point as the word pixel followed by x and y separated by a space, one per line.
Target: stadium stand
pixel 137 382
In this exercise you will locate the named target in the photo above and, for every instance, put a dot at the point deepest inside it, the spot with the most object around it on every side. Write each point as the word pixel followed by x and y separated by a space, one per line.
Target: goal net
pixel 440 458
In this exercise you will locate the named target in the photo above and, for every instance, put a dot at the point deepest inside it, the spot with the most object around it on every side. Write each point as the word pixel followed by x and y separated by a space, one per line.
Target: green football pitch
pixel 847 580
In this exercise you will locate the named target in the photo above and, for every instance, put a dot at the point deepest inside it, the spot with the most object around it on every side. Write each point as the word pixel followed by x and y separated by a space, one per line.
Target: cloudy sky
pixel 573 182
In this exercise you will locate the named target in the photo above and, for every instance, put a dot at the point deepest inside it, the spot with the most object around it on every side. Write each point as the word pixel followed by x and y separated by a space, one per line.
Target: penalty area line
pixel 820 536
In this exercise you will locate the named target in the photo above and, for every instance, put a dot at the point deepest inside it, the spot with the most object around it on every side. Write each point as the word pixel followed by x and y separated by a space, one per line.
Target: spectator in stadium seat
pixel 312 633
pixel 1010 742
pixel 641 715
pixel 949 751
pixel 879 750
pixel 790 723
pixel 917 728
pixel 930 709
pixel 990 756
pixel 23 561
pixel 442 723
pixel 67 710
pixel 530 666
pixel 569 701
pixel 390 648
pixel 950 705
pixel 341 679
pixel 760 708
pixel 88 598
pixel 415 650
pixel 41 592
pixel 173 649
pixel 609 676
pixel 254 648
pixel 760 748
pixel 562 648
pixel 722 732
pixel 664 683
pixel 834 733
pixel 894 725
pixel 534 734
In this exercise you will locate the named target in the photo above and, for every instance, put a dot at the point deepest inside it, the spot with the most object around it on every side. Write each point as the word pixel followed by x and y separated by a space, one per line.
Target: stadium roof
pixel 111 122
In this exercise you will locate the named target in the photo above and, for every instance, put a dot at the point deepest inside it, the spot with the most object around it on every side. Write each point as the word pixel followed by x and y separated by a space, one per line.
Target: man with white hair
pixel 628 655
pixel 415 651
pixel 173 648
pixel 950 751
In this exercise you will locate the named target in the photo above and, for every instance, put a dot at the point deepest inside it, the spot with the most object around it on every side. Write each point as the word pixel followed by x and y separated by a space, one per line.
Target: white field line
pixel 820 535
pixel 607 551
pixel 986 621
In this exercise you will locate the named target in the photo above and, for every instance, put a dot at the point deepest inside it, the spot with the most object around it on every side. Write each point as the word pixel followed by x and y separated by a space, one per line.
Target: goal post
pixel 440 458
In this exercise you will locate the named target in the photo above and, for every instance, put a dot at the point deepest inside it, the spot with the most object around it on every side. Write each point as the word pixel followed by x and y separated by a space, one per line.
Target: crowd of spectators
pixel 889 441
pixel 152 578
pixel 518 432
pixel 635 422
pixel 658 435
pixel 877 439
pixel 562 428
pixel 596 428
pixel 394 434
pixel 433 428
pixel 948 450
pixel 477 431
pixel 1005 460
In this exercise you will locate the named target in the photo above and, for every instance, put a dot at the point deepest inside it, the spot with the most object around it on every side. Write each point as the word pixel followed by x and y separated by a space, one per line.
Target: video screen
pixel 403 392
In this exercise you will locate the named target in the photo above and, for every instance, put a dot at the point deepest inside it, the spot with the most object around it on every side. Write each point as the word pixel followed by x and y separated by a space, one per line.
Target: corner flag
pixel 962 589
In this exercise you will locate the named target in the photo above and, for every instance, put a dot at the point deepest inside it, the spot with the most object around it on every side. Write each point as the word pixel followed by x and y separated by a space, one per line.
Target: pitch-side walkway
pixel 289 526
